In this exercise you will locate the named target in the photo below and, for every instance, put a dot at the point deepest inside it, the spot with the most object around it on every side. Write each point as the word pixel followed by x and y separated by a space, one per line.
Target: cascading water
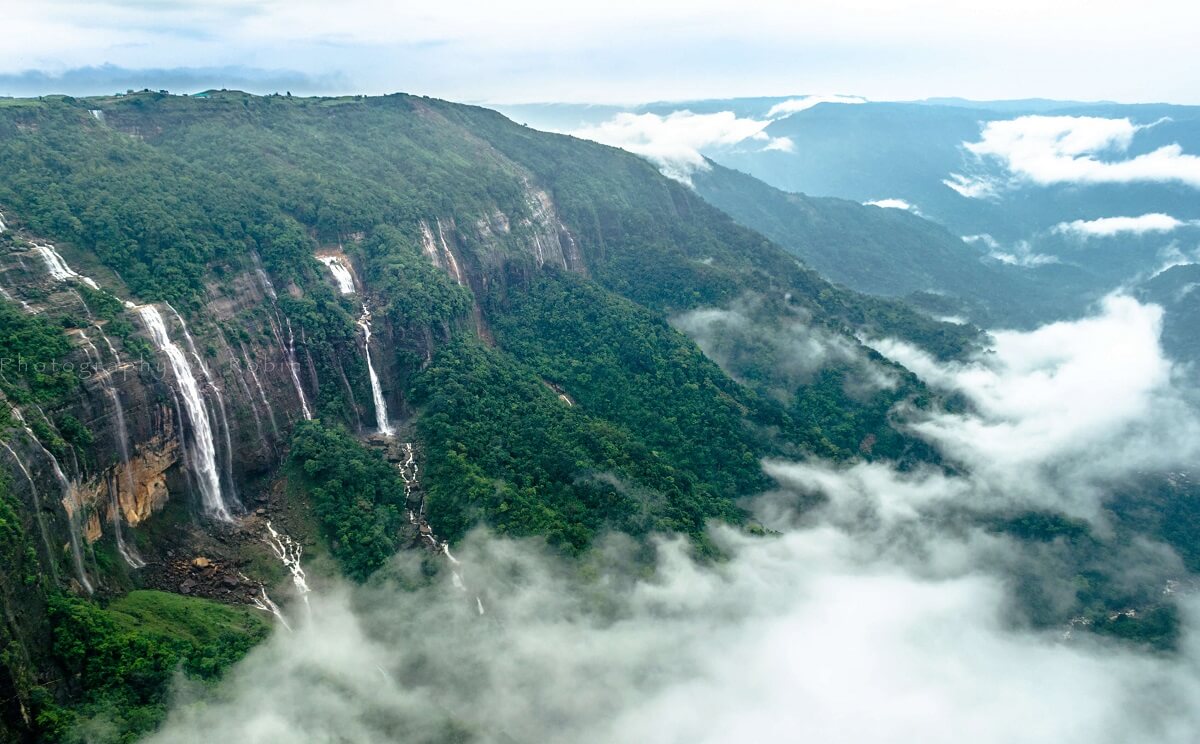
pixel 204 454
pixel 122 436
pixel 381 415
pixel 409 473
pixel 264 603
pixel 288 551
pixel 223 419
pixel 341 274
pixel 58 268
pixel 292 364
pixel 70 502
pixel 290 347
pixel 451 261
pixel 3 227
pixel 267 286
pixel 111 349
pixel 262 394
pixel 241 381
pixel 127 552
pixel 37 508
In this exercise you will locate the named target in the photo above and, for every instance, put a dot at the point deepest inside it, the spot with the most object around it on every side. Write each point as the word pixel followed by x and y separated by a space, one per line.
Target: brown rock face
pixel 148 468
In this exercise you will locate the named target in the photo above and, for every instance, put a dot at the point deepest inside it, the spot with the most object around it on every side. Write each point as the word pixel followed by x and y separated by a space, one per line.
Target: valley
pixel 273 366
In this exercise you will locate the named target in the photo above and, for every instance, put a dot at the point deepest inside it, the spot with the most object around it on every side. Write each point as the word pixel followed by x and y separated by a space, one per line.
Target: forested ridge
pixel 543 378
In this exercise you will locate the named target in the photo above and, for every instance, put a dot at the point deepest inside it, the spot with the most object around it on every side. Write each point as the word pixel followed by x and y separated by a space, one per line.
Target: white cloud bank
pixel 1107 227
pixel 795 638
pixel 1057 409
pixel 1047 150
pixel 840 629
pixel 796 105
pixel 891 204
pixel 674 142
pixel 1021 253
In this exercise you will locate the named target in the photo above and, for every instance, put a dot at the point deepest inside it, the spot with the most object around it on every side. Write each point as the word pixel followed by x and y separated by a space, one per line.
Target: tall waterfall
pixel 73 506
pixel 222 417
pixel 381 415
pixel 127 552
pixel 122 436
pixel 70 501
pixel 292 364
pixel 451 261
pixel 204 454
pixel 37 508
pixel 58 268
pixel 262 394
pixel 341 274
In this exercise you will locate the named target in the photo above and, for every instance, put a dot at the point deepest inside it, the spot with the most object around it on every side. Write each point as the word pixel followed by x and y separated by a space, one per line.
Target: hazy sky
pixel 612 51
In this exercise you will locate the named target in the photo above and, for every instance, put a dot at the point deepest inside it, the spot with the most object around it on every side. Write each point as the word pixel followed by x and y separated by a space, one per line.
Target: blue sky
pixel 615 51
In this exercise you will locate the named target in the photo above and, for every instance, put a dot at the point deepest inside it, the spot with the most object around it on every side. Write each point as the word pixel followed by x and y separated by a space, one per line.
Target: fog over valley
pixel 661 373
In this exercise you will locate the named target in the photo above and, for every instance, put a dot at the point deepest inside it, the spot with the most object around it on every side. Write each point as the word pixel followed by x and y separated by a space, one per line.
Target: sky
pixel 619 51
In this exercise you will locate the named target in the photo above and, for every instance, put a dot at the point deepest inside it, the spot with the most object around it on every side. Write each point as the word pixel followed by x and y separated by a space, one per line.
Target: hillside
pixel 358 325
pixel 880 251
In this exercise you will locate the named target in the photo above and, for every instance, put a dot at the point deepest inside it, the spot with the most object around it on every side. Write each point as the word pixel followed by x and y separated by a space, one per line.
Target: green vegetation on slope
pixel 121 658
pixel 504 449
pixel 357 496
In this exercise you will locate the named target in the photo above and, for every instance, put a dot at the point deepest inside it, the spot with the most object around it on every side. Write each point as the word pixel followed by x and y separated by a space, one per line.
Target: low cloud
pixel 796 105
pixel 973 187
pixel 1020 254
pixel 1060 408
pixel 864 619
pixel 1107 227
pixel 891 204
pixel 1047 150
pixel 674 142
pixel 791 349
pixel 800 636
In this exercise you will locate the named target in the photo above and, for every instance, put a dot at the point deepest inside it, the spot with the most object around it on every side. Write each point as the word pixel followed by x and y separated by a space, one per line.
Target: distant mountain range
pixel 1041 206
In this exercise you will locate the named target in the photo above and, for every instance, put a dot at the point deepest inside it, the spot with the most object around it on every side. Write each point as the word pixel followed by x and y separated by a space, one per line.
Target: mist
pixel 865 614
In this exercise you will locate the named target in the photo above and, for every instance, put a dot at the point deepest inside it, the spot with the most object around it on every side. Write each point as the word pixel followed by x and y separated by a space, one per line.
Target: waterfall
pixel 381 416
pixel 264 603
pixel 409 473
pixel 451 261
pixel 37 509
pixel 223 419
pixel 70 503
pixel 290 348
pixel 268 288
pixel 341 274
pixel 3 227
pixel 128 553
pixel 58 268
pixel 204 456
pixel 292 364
pixel 241 380
pixel 111 349
pixel 89 349
pixel 288 551
pixel 262 394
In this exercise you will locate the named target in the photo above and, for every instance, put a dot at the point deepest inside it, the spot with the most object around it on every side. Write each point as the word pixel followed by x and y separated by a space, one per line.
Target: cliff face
pixel 256 372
